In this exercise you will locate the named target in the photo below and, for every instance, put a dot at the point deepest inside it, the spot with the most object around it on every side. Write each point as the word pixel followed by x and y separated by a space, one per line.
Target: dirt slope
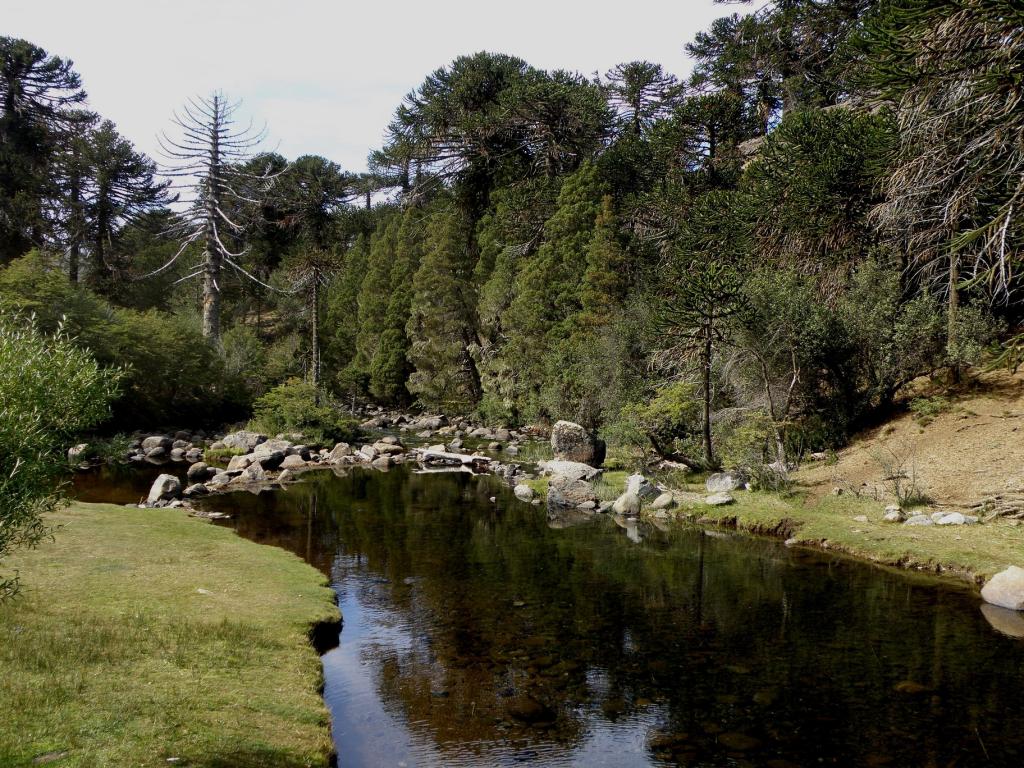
pixel 971 450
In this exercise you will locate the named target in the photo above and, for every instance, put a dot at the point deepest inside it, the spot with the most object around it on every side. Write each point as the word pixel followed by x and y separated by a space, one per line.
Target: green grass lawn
pixel 145 635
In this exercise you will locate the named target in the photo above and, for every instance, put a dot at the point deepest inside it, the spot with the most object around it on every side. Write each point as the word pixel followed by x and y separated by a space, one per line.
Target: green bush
pixel 50 390
pixel 298 407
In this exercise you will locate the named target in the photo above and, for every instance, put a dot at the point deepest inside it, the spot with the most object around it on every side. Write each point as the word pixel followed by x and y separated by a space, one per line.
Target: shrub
pixel 298 406
pixel 50 390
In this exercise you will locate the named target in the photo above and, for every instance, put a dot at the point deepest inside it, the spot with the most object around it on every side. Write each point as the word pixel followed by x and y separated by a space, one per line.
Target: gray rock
pixel 254 473
pixel 572 442
pixel 605 507
pixel 572 470
pixel 956 518
pixel 1006 589
pixel 627 504
pixel 429 422
pixel 159 453
pixel 219 480
pixel 719 499
pixel 273 446
pixel 177 454
pixel 77 453
pixel 502 435
pixel 663 502
pixel 382 462
pixel 439 448
pixel 494 446
pixel 339 450
pixel 724 482
pixel 181 434
pixel 523 492
pixel 919 520
pixel 217 445
pixel 164 487
pixel 192 455
pixel 641 486
pixel 385 448
pixel 198 471
pixel 196 489
pixel 893 516
pixel 389 440
pixel 182 444
pixel 286 476
pixel 569 492
pixel 240 462
pixel 156 441
pixel 367 453
pixel 269 460
pixel 512 450
pixel 243 440
pixel 293 462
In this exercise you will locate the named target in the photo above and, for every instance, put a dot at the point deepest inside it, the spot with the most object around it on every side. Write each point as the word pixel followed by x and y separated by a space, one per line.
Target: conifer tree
pixel 375 291
pixel 440 327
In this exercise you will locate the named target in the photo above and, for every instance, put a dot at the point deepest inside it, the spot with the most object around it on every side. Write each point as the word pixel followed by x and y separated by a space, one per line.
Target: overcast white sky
pixel 326 76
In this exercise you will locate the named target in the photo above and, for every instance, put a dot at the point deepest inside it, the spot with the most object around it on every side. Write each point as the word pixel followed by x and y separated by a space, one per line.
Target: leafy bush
pixel 925 409
pixel 297 406
pixel 669 423
pixel 50 389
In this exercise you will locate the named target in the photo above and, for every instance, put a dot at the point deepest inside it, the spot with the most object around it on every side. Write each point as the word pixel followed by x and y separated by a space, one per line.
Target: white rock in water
pixel 523 492
pixel 164 487
pixel 627 504
pixel 1006 589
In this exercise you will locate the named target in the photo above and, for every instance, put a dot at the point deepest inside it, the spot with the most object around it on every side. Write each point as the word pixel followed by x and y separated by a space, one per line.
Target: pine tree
pixel 605 281
pixel 375 292
pixel 440 326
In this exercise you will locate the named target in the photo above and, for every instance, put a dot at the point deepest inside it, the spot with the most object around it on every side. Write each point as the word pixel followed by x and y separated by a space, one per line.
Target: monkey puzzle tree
pixel 209 156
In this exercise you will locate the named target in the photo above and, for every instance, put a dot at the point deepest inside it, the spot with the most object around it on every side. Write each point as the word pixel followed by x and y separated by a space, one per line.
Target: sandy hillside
pixel 972 450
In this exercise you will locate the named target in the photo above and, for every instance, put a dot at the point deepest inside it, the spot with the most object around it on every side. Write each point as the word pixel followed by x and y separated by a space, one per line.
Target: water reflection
pixel 483 634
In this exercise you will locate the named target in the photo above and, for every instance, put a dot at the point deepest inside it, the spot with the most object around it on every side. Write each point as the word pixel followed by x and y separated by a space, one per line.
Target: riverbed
pixel 481 631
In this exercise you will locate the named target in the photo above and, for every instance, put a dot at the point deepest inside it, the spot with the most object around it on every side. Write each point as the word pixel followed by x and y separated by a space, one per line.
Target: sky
pixel 325 77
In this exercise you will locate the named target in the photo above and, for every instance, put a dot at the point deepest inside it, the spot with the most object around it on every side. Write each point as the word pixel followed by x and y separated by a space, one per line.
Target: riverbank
pixel 972 553
pixel 149 638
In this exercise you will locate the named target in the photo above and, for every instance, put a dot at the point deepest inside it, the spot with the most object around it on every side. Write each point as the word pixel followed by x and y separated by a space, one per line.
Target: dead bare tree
pixel 206 161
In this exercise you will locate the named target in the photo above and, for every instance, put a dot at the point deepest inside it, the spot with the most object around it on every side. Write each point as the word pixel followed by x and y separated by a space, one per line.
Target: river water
pixel 485 633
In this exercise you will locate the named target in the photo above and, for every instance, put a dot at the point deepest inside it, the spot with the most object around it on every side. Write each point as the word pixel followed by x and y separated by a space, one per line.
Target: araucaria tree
pixel 694 322
pixel 208 156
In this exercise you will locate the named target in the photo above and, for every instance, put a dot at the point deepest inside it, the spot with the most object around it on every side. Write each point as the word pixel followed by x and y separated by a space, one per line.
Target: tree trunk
pixel 211 276
pixel 709 456
pixel 314 312
pixel 954 306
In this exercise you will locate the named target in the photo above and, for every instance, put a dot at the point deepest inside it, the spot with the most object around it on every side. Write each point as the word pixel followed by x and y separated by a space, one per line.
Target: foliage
pixel 298 407
pixel 669 423
pixel 50 390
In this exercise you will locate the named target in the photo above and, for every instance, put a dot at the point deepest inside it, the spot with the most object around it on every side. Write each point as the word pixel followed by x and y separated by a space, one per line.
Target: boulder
pixel 569 492
pixel 956 518
pixel 181 434
pixel 196 489
pixel 164 487
pixel 1006 589
pixel 572 442
pixel 502 435
pixel 243 440
pixel 192 455
pixel 439 448
pixel 156 441
pixel 918 520
pixel 523 492
pixel 339 450
pixel 286 476
pixel 78 452
pixel 388 449
pixel 724 482
pixel 367 453
pixel 382 462
pixel 240 462
pixel 627 504
pixel 177 454
pixel 573 470
pixel 159 453
pixel 389 440
pixel 429 422
pixel 254 473
pixel 198 471
pixel 269 460
pixel 273 446
pixel 293 462
pixel 893 514
pixel 642 487
pixel 719 499
pixel 182 444
pixel 219 480
pixel 512 450
pixel 664 501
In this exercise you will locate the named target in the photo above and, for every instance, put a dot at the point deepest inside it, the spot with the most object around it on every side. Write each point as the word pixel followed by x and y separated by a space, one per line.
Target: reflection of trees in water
pixel 509 617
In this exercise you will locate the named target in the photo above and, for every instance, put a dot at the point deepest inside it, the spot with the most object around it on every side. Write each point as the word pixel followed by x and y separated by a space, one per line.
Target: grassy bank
pixel 142 636
pixel 973 553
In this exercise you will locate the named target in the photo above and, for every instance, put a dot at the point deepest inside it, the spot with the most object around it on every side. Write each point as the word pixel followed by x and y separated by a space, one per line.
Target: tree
pixel 50 390
pixel 208 155
pixel 641 93
pixel 37 95
pixel 950 73
pixel 693 319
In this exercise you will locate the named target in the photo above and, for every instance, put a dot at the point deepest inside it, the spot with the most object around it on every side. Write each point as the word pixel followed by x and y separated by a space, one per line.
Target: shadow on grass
pixel 256 757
